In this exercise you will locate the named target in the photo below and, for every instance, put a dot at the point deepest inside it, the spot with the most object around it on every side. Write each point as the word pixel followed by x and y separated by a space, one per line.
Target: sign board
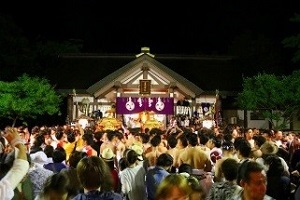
pixel 145 86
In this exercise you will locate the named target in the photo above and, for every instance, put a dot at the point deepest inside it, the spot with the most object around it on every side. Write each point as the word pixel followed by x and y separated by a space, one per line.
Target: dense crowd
pixel 180 162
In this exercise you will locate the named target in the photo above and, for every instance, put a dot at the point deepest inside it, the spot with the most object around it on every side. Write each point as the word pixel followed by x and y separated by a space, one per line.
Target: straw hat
pixel 107 154
pixel 269 148
pixel 139 150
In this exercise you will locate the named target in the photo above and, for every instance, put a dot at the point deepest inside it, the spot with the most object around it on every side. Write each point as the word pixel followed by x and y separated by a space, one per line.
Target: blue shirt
pixel 153 177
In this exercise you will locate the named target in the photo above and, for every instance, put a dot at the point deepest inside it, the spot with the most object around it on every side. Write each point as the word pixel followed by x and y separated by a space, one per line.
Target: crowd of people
pixel 181 162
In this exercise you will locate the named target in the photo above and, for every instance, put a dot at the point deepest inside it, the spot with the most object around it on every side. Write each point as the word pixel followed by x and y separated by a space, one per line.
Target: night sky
pixel 182 28
pixel 210 27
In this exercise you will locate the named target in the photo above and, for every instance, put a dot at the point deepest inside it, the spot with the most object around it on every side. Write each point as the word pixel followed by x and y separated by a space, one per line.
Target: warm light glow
pixel 208 123
pixel 144 117
pixel 83 122
pixel 134 92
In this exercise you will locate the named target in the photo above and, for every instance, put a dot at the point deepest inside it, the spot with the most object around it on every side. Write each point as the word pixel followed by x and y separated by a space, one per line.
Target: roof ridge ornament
pixel 145 50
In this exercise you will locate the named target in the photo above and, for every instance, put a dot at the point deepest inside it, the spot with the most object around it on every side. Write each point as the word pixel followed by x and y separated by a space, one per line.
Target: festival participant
pixel 55 187
pixel 158 173
pixel 95 177
pixel 225 189
pixel 20 165
pixel 197 158
pixel 253 182
pixel 133 177
pixel 173 186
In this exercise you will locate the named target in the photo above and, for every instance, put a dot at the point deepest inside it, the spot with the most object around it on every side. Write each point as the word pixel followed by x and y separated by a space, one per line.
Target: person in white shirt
pixel 186 122
pixel 133 177
pixel 249 137
pixel 278 136
pixel 20 165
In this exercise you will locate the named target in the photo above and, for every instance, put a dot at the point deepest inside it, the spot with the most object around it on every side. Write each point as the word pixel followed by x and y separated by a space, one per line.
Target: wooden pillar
pixel 70 104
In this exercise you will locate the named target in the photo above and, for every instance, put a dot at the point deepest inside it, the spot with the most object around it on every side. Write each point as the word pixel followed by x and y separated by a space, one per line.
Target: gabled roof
pixel 205 72
pixel 157 70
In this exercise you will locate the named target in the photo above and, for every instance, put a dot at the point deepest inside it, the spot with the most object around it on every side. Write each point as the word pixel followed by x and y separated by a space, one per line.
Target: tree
pixel 28 97
pixel 277 97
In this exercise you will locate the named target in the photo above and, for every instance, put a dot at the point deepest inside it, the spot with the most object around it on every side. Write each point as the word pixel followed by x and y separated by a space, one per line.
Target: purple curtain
pixel 129 105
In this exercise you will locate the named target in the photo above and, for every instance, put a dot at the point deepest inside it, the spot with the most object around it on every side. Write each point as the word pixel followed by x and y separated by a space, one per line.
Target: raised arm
pixel 20 165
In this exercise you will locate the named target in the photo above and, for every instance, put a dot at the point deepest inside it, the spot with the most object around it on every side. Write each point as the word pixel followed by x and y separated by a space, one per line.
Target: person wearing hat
pixel 270 148
pixel 109 142
pixel 139 150
pixel 110 158
pixel 133 177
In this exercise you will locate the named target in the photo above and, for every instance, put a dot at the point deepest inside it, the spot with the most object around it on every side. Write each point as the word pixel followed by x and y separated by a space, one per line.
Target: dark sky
pixel 206 27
